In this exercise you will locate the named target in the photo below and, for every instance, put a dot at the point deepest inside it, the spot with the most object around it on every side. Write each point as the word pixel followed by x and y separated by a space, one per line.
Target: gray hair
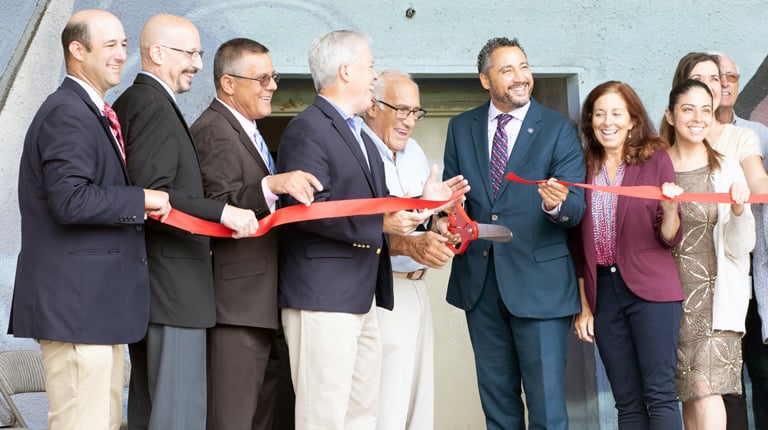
pixel 385 77
pixel 331 51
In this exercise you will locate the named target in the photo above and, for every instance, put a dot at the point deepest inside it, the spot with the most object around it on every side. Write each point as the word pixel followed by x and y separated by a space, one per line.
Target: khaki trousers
pixel 84 384
pixel 335 367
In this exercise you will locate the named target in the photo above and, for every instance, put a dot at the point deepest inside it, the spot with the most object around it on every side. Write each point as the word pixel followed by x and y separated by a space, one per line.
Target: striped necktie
pixel 499 152
pixel 264 151
pixel 114 125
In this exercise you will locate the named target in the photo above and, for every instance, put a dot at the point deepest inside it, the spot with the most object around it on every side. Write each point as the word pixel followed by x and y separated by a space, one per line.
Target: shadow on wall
pixel 752 103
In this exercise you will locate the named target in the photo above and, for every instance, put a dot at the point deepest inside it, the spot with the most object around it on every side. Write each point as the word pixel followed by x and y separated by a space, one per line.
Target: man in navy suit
pixel 82 285
pixel 518 296
pixel 334 272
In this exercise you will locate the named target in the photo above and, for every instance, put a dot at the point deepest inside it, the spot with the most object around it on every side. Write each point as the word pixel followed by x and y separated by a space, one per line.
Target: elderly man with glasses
pixel 406 394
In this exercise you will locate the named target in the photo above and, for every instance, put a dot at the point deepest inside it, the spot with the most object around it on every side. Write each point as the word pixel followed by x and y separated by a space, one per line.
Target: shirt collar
pixel 518 113
pixel 248 125
pixel 94 96
pixel 167 88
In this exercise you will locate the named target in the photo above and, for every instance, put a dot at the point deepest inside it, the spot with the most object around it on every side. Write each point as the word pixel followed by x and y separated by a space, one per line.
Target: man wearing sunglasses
pixel 237 167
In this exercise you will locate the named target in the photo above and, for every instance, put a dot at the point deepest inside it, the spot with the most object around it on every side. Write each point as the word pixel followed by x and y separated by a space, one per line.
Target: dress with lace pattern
pixel 708 361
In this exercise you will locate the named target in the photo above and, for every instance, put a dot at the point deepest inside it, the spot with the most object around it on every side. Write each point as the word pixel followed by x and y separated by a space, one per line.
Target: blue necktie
pixel 265 155
pixel 359 138
pixel 499 152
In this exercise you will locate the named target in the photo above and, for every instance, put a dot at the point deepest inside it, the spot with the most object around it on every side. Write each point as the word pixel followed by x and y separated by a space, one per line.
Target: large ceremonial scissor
pixel 469 230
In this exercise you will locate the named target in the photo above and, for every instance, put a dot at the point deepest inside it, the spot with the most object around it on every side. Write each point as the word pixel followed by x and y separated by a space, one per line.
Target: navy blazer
pixel 81 275
pixel 244 270
pixel 161 155
pixel 643 256
pixel 335 264
pixel 535 271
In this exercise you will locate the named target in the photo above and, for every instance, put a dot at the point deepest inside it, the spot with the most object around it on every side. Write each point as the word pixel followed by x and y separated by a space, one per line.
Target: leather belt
pixel 416 275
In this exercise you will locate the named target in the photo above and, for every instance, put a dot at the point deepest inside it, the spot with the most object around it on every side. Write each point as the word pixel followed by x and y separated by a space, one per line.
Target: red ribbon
pixel 649 192
pixel 319 210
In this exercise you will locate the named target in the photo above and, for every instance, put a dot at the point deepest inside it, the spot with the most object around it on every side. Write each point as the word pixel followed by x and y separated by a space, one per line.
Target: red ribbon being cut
pixel 649 192
pixel 318 210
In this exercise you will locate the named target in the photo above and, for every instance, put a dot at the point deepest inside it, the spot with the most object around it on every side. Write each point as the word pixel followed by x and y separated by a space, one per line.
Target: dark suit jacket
pixel 161 155
pixel 245 271
pixel 82 273
pixel 643 256
pixel 534 270
pixel 335 264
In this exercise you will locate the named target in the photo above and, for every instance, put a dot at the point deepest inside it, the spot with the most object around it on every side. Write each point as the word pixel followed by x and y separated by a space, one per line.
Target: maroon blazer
pixel 643 257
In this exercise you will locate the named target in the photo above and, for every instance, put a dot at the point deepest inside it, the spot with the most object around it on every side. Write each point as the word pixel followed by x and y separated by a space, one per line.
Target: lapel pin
pixel 530 131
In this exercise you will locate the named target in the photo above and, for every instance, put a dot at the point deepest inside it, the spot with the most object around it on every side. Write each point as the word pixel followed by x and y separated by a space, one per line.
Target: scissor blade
pixel 494 232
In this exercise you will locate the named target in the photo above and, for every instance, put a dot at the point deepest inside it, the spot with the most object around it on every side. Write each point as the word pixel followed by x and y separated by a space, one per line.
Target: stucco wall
pixel 636 42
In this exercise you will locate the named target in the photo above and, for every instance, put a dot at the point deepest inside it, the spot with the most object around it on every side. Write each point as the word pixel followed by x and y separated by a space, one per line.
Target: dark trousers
pixel 242 377
pixel 508 350
pixel 637 340
pixel 167 388
pixel 756 358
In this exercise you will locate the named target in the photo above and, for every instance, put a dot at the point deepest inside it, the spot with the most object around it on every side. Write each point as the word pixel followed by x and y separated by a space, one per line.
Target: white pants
pixel 84 385
pixel 406 400
pixel 335 367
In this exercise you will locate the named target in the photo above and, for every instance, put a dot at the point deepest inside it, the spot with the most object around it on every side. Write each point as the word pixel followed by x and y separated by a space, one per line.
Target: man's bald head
pixel 170 50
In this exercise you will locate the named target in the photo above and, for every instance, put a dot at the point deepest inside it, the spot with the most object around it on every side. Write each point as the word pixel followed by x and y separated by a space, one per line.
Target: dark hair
pixel 75 32
pixel 641 143
pixel 229 53
pixel 686 65
pixel 683 71
pixel 684 87
pixel 484 57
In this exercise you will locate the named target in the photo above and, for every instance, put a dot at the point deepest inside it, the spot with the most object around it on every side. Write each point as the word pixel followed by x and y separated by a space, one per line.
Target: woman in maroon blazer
pixel 630 291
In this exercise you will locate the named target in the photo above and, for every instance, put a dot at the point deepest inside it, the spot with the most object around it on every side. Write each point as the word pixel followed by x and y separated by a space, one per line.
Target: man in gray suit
pixel 237 168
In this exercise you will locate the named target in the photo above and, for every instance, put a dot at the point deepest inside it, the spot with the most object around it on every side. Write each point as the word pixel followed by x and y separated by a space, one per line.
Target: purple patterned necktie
pixel 499 152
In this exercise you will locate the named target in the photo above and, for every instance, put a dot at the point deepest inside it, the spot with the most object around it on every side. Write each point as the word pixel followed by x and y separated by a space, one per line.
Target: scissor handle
pixel 461 224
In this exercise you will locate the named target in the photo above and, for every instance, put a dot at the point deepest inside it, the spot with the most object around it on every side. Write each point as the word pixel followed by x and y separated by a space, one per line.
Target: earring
pixel 629 135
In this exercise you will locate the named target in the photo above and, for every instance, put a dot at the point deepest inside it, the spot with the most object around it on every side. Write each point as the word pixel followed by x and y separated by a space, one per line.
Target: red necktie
pixel 115 126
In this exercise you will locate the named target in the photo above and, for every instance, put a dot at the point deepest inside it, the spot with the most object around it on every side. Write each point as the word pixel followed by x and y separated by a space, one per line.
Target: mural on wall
pixel 753 99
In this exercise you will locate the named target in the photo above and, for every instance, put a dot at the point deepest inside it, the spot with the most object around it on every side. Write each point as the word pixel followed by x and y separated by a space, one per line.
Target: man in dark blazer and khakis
pixel 168 386
pixel 82 285
pixel 237 168
pixel 334 272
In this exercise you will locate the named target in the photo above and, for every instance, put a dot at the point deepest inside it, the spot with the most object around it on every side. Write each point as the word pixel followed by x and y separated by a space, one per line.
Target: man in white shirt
pixel 406 399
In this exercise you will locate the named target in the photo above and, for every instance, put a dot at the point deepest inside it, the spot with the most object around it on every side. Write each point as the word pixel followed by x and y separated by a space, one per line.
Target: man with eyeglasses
pixel 237 168
pixel 168 376
pixel 406 395
pixel 754 351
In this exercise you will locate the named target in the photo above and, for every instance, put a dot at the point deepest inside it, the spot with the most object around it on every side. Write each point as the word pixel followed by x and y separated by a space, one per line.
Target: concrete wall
pixel 637 42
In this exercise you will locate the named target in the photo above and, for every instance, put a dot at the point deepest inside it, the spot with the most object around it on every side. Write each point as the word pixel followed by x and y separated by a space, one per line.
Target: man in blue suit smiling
pixel 518 296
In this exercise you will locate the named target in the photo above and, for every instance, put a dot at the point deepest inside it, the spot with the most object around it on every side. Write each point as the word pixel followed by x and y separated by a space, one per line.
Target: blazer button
pixel 143 261
pixel 139 227
pixel 565 218
pixel 494 217
pixel 378 251
pixel 485 253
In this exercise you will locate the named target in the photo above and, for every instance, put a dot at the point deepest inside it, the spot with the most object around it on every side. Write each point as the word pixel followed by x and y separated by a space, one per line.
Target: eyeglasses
pixel 190 54
pixel 263 79
pixel 734 79
pixel 404 112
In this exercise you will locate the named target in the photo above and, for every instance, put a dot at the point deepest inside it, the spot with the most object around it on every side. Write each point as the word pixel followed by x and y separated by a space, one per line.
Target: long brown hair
pixel 641 143
pixel 684 87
